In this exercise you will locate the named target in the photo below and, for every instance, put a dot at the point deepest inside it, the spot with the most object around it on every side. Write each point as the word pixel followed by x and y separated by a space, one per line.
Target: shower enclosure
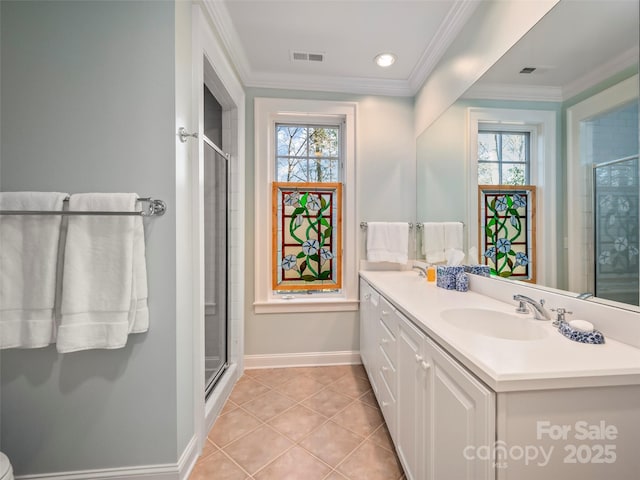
pixel 613 137
pixel 216 248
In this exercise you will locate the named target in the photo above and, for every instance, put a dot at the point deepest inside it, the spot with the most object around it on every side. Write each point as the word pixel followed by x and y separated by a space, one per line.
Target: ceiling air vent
pixel 307 57
pixel 528 70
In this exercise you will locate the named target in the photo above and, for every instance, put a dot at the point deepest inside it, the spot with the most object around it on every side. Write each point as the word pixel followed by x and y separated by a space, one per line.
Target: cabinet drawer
pixel 388 315
pixel 388 342
pixel 387 404
pixel 388 371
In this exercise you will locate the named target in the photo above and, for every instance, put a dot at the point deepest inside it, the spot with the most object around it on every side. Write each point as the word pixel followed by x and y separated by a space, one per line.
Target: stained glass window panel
pixel 307 240
pixel 507 230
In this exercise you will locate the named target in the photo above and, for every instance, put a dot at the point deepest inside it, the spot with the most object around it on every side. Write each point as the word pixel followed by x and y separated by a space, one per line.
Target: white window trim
pixel 542 174
pixel 268 112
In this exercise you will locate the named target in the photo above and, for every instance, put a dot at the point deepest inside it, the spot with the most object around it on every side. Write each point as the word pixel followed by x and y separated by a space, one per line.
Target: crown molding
pixel 449 29
pixel 532 93
pixel 357 85
pixel 505 91
pixel 219 16
pixel 603 72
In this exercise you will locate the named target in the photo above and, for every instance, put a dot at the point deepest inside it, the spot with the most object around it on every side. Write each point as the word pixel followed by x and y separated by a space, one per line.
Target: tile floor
pixel 312 423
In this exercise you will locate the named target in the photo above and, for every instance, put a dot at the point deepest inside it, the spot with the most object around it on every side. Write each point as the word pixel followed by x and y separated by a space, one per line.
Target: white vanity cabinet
pixel 378 339
pixel 434 408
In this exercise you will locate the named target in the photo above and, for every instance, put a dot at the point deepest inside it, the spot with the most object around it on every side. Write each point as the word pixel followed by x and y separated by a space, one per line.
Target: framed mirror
pixel 559 111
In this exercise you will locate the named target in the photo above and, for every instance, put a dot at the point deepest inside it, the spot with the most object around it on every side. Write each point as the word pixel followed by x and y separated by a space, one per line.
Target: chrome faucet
pixel 423 271
pixel 539 312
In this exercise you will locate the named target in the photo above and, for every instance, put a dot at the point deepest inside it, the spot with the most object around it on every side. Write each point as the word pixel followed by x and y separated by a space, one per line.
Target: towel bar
pixel 156 208
pixel 363 225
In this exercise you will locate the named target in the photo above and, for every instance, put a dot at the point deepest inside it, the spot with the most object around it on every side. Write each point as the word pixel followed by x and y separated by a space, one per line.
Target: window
pixel 308 153
pixel 305 229
pixel 541 127
pixel 503 157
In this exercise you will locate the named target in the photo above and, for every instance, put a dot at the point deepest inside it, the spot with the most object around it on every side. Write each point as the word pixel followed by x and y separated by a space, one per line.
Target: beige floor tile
pixel 295 464
pixel 268 405
pixel 246 390
pixel 208 448
pixel 228 406
pixel 232 426
pixel 217 466
pixel 359 371
pixel 351 385
pixel 331 443
pixel 326 375
pixel 360 418
pixel 255 450
pixel 335 476
pixel 371 462
pixel 369 398
pixel 382 438
pixel 297 422
pixel 327 402
pixel 300 388
pixel 270 376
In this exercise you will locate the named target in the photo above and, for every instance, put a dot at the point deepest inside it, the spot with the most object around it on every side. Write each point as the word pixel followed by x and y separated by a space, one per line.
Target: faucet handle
pixel 522 307
pixel 561 313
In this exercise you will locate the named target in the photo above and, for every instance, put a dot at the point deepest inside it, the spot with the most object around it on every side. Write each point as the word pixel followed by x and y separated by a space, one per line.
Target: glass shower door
pixel 616 196
pixel 610 143
pixel 215 237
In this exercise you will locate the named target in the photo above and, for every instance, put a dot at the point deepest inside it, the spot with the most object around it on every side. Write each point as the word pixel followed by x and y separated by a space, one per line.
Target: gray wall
pixel 385 171
pixel 88 100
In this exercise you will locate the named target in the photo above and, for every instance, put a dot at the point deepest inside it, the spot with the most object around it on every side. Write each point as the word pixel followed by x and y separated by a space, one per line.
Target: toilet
pixel 6 472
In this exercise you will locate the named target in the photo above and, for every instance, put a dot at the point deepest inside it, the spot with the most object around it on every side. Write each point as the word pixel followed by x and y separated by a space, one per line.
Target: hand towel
pixel 104 277
pixel 28 265
pixel 433 242
pixel 388 242
pixel 453 235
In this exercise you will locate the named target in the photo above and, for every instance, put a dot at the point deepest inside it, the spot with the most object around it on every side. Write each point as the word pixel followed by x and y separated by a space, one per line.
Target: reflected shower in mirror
pixel 559 111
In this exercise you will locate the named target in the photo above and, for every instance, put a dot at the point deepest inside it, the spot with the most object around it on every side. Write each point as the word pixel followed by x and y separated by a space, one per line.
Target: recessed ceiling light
pixel 385 59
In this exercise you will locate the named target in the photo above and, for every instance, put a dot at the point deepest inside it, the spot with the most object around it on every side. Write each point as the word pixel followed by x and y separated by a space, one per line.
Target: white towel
pixel 104 280
pixel 433 242
pixel 453 235
pixel 28 265
pixel 388 242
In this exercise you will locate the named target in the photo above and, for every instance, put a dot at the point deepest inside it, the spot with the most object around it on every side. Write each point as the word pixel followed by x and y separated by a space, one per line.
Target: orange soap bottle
pixel 431 273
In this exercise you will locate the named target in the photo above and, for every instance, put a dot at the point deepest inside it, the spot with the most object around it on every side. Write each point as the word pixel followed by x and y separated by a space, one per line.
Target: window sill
pixel 306 305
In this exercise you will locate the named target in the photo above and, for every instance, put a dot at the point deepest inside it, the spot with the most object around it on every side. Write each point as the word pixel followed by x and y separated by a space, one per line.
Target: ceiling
pixel 262 34
pixel 575 40
pixel 576 45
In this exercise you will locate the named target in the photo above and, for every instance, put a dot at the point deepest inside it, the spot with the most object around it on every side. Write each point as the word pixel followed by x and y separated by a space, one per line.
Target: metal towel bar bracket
pixel 155 208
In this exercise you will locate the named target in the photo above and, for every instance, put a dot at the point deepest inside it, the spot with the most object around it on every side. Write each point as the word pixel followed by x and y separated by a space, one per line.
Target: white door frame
pixel 578 175
pixel 219 76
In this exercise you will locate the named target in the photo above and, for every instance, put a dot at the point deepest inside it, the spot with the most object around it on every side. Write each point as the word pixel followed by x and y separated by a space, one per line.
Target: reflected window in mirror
pixel 503 157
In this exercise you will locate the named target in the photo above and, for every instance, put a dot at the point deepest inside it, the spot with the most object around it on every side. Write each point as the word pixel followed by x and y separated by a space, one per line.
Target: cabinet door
pixel 463 415
pixel 411 384
pixel 369 319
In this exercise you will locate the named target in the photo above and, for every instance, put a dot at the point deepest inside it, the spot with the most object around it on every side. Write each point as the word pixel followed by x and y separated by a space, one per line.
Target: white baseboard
pixel 176 471
pixel 279 360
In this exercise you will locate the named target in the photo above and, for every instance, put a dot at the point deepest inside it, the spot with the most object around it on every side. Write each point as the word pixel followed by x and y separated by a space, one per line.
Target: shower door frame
pixel 210 384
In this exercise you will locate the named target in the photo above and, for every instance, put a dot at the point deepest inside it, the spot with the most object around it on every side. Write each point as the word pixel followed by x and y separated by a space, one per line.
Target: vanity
pixel 471 390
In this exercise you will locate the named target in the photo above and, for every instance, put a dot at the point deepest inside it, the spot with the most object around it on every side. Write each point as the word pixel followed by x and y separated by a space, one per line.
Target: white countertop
pixel 506 365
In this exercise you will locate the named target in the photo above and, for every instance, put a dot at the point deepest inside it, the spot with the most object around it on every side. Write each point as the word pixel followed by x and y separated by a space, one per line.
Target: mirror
pixel 580 105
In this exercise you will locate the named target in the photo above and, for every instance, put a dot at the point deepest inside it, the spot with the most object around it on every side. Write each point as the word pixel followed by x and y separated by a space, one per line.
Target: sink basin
pixel 493 323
